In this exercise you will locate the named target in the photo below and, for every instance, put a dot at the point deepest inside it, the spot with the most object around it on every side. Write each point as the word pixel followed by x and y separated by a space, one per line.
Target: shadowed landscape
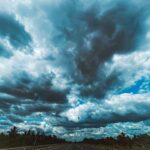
pixel 31 140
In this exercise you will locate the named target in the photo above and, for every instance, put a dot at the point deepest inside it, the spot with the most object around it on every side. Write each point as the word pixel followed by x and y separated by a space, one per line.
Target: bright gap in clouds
pixel 76 69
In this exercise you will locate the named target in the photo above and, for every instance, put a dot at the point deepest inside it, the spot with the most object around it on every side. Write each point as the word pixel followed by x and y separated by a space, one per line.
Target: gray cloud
pixel 82 55
pixel 90 36
pixel 4 52
pixel 14 118
pixel 26 87
pixel 14 31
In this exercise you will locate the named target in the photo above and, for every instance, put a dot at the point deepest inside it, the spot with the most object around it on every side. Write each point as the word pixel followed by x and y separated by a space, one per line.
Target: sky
pixel 75 68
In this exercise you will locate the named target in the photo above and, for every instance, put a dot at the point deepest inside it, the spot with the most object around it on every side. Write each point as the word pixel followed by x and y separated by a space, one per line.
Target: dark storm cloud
pixel 115 118
pixel 115 31
pixel 41 88
pixel 39 106
pixel 95 35
pixel 14 118
pixel 101 87
pixel 5 123
pixel 6 101
pixel 91 121
pixel 76 41
pixel 15 109
pixel 14 31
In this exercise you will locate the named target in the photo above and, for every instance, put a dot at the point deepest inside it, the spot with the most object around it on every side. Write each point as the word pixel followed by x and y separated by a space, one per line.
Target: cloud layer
pixel 75 68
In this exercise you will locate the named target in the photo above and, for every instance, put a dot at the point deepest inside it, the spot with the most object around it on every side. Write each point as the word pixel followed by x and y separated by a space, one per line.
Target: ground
pixel 77 147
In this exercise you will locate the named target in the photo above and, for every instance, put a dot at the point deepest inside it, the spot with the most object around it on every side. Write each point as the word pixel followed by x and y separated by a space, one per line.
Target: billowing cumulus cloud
pixel 75 68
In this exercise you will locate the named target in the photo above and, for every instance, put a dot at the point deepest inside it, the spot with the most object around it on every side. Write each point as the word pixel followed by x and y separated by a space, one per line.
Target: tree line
pixel 13 138
pixel 121 139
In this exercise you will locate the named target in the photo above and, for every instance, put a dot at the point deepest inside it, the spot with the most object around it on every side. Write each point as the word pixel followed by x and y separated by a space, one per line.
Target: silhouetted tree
pixel 13 132
pixel 30 138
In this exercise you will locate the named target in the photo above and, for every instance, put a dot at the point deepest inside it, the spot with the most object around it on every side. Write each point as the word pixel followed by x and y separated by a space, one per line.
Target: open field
pixel 77 147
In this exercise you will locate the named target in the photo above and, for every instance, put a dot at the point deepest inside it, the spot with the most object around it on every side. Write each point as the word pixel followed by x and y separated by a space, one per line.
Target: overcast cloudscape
pixel 75 68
